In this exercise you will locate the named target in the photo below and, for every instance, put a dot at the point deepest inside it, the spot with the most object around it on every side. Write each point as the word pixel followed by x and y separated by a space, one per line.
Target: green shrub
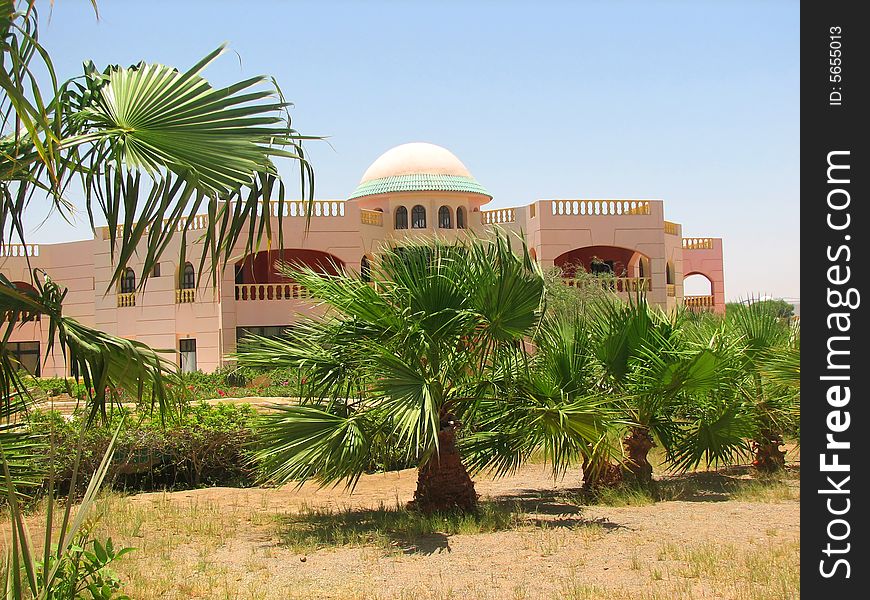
pixel 206 445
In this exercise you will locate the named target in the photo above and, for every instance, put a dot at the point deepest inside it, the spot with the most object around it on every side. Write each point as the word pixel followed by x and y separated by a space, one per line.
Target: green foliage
pixel 780 308
pixel 436 340
pixel 82 573
pixel 206 445
pixel 198 147
pixel 239 382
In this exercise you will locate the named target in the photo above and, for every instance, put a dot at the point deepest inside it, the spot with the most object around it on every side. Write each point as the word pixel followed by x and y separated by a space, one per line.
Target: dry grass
pixel 529 542
pixel 708 570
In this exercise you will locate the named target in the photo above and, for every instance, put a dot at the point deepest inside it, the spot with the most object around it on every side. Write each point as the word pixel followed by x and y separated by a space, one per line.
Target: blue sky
pixel 695 103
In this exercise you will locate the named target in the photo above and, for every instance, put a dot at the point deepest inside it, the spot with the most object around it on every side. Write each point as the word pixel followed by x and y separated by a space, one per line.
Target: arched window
pixel 418 217
pixel 445 220
pixel 460 218
pixel 669 273
pixel 365 269
pixel 188 277
pixel 401 218
pixel 128 281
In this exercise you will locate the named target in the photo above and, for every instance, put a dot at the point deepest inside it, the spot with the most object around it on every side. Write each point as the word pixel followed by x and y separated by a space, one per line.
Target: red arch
pixel 623 259
pixel 262 267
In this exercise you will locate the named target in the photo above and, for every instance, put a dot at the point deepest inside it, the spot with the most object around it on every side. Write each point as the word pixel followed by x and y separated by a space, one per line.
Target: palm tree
pixel 770 356
pixel 658 388
pixel 431 351
pixel 147 143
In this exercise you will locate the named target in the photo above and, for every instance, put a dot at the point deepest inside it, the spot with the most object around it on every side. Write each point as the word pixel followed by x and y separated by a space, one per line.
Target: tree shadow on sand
pixel 400 530
pixel 725 484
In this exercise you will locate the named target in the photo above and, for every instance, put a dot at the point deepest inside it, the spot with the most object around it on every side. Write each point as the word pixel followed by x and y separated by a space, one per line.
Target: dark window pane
pixel 418 217
pixel 401 218
pixel 128 282
pixel 444 218
pixel 365 269
pixel 188 277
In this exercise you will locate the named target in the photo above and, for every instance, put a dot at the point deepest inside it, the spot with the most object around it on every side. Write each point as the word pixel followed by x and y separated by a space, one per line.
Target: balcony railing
pixel 301 208
pixel 672 228
pixel 19 250
pixel 371 217
pixel 498 216
pixel 185 296
pixel 270 291
pixel 672 290
pixel 614 284
pixel 126 299
pixel 698 302
pixel 290 208
pixel 600 207
pixel 697 243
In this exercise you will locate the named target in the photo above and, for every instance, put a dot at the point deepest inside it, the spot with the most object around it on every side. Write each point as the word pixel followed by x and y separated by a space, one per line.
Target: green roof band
pixel 419 183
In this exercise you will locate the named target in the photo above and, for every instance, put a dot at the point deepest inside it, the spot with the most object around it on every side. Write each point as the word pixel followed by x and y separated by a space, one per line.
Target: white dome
pixel 417 158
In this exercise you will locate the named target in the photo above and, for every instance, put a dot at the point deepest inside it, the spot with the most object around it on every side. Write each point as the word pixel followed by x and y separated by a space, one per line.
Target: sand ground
pixel 706 543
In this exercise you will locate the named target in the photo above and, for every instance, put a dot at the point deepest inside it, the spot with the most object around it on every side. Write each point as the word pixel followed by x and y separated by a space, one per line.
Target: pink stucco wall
pixel 347 231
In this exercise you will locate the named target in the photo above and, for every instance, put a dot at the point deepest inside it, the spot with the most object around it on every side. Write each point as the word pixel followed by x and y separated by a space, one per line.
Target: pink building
pixel 412 191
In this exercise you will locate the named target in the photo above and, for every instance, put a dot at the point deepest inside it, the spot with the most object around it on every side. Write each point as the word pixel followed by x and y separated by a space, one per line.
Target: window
pixel 188 277
pixel 156 271
pixel 445 220
pixel 187 350
pixel 365 269
pixel 401 218
pixel 268 331
pixel 460 218
pixel 128 281
pixel 418 217
pixel 26 354
pixel 669 273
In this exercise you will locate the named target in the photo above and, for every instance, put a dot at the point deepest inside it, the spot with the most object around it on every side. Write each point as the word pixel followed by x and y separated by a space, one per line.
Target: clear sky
pixel 695 103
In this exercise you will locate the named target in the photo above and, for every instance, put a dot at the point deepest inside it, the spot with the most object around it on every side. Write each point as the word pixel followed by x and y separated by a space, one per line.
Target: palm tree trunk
pixel 443 483
pixel 769 457
pixel 637 445
pixel 600 473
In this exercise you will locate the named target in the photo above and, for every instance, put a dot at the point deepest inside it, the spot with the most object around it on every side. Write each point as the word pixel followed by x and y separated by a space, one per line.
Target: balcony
pixel 600 207
pixel 697 243
pixel 247 292
pixel 126 299
pixel 498 216
pixel 672 228
pixel 698 303
pixel 614 284
pixel 13 250
pixel 185 296
pixel 672 290
pixel 371 217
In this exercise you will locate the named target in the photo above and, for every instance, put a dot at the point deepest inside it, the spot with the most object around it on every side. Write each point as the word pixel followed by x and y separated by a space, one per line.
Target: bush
pixel 239 382
pixel 207 445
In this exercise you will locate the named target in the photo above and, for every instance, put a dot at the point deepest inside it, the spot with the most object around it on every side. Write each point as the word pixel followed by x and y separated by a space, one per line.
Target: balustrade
pixel 270 291
pixel 600 207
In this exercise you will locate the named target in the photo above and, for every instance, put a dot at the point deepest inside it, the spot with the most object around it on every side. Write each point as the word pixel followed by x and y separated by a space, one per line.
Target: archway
pixel 698 293
pixel 697 284
pixel 600 260
pixel 626 269
pixel 263 266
